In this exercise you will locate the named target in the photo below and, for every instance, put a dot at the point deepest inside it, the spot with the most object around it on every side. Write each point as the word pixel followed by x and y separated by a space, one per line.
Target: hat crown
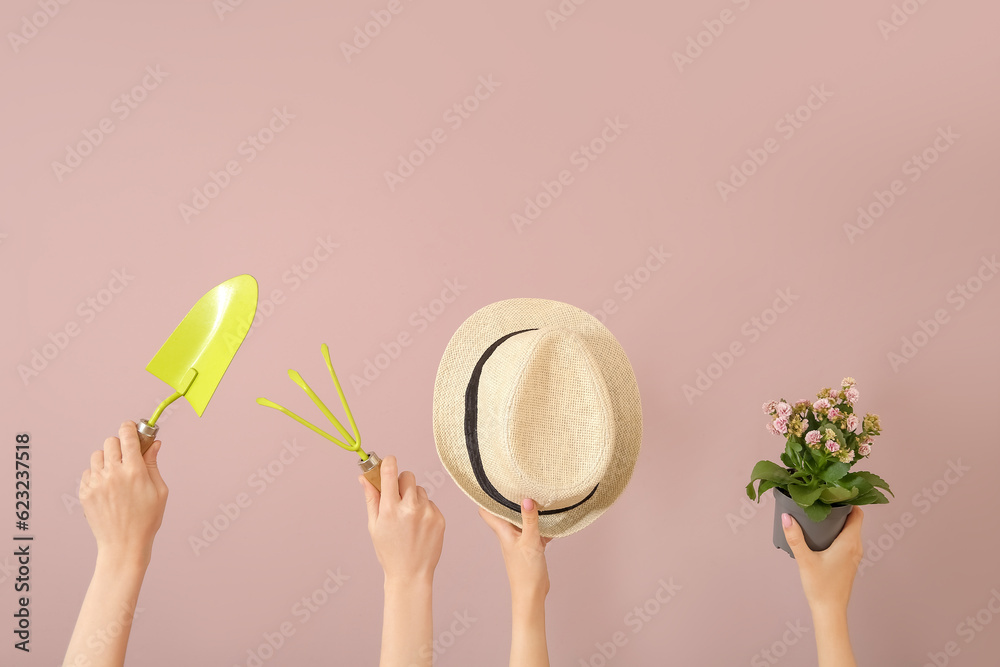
pixel 546 423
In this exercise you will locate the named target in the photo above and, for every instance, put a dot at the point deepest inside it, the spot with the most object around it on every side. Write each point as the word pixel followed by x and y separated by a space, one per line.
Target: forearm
pixel 407 624
pixel 527 643
pixel 833 643
pixel 102 629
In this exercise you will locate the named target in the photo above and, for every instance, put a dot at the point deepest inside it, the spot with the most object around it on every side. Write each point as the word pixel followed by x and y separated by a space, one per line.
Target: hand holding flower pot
pixel 823 440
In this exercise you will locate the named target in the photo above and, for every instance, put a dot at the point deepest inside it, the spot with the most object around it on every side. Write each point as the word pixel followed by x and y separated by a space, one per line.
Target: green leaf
pixel 818 511
pixel 804 496
pixel 873 497
pixel 855 480
pixel 837 494
pixel 765 486
pixel 834 472
pixel 787 460
pixel 875 480
pixel 750 491
pixel 771 472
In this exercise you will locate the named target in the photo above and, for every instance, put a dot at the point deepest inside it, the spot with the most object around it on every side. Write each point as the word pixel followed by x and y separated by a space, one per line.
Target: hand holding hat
pixel 536 399
pixel 523 553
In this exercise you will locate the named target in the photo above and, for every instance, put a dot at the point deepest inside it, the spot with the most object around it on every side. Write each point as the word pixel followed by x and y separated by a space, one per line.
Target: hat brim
pixel 464 350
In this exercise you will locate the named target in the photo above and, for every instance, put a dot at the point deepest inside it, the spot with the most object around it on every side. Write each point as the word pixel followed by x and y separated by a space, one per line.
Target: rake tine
pixel 340 392
pixel 297 379
pixel 271 404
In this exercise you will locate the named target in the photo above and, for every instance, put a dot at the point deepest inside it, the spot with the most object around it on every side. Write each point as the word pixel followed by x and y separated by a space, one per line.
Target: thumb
pixel 793 535
pixel 529 520
pixel 150 460
pixel 371 499
pixel 501 527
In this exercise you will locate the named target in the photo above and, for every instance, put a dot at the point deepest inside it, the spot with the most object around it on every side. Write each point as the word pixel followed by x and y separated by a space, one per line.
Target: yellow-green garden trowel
pixel 196 355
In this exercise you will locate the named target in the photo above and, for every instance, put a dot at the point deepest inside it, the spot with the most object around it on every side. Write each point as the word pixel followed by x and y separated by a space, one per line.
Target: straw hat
pixel 536 399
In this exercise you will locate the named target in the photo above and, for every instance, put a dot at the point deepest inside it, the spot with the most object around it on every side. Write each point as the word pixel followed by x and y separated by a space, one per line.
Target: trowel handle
pixel 147 434
pixel 371 468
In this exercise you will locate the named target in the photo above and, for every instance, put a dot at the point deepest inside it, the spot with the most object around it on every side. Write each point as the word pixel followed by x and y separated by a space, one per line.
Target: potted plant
pixel 823 440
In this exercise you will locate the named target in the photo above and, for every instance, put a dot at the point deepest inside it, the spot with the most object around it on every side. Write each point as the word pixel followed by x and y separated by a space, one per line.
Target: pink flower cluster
pixel 834 407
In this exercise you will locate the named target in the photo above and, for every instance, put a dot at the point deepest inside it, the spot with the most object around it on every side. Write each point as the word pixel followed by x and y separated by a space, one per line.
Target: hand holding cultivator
pixel 370 462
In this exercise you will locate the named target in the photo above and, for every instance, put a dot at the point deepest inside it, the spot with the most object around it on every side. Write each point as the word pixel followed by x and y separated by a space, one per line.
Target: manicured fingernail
pixel 528 504
pixel 786 520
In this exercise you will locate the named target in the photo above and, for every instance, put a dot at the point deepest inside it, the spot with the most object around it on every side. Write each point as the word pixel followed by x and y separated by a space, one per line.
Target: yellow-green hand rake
pixel 370 463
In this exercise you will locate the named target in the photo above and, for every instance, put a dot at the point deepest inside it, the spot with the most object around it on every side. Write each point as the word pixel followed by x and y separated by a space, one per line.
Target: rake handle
pixel 371 468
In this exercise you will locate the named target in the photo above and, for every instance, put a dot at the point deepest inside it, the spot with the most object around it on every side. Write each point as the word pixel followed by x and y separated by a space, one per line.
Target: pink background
pixel 322 176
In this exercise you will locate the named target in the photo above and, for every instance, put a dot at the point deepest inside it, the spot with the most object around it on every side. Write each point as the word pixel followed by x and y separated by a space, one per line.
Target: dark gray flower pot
pixel 818 536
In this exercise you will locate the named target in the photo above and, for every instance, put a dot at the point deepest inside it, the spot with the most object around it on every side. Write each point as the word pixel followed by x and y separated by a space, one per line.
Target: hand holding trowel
pixel 196 355
pixel 370 463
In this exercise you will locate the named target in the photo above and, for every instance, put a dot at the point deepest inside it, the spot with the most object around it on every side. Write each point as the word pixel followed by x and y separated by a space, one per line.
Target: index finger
pixel 131 454
pixel 112 451
pixel 390 481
